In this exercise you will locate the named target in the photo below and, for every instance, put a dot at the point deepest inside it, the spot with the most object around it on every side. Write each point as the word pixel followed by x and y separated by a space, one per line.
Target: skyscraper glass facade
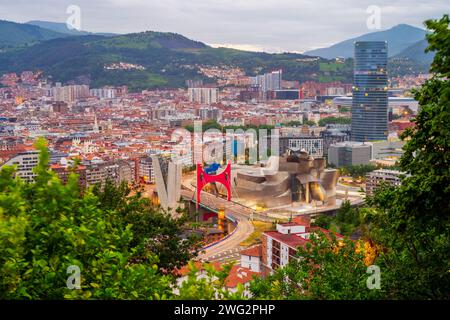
pixel 370 92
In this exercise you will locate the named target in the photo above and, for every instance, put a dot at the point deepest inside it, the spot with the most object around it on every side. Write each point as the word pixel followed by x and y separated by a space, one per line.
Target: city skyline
pixel 152 166
pixel 270 26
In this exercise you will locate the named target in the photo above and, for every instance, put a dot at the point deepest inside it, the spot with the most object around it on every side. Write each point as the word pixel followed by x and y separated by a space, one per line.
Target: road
pixel 230 247
pixel 243 229
pixel 350 188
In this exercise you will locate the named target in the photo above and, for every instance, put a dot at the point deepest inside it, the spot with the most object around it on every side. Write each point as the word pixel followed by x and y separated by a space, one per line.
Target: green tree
pixel 323 221
pixel 334 120
pixel 309 123
pixel 326 268
pixel 412 221
pixel 357 171
pixel 154 229
pixel 346 221
pixel 295 123
pixel 210 286
pixel 46 226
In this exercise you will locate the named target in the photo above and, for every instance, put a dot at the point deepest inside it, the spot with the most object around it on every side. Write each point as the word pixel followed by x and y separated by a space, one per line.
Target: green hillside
pixel 17 34
pixel 416 52
pixel 169 59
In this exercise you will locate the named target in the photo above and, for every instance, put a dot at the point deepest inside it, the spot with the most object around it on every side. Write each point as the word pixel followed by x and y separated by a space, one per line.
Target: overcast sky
pixel 268 25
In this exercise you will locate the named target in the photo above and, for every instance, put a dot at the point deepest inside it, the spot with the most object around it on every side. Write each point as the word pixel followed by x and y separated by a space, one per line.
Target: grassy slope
pixel 255 237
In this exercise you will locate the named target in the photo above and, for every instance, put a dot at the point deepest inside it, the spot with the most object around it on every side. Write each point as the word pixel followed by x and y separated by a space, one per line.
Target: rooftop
pixel 255 251
pixel 292 240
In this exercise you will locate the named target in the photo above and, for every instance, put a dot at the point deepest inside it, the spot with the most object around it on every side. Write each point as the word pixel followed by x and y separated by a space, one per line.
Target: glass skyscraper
pixel 370 92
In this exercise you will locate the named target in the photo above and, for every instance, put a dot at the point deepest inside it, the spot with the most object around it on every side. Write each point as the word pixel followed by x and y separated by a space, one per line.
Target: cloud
pixel 246 47
pixel 270 25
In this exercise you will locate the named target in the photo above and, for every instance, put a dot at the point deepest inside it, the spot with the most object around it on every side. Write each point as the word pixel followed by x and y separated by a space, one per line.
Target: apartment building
pixel 103 93
pixel 70 93
pixel 280 246
pixel 63 173
pixel 311 144
pixel 210 113
pixel 375 178
pixel 251 258
pixel 203 95
pixel 115 171
pixel 269 81
pixel 25 162
pixel 145 171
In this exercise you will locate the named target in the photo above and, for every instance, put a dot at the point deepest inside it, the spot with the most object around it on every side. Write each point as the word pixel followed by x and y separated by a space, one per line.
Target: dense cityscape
pixel 230 182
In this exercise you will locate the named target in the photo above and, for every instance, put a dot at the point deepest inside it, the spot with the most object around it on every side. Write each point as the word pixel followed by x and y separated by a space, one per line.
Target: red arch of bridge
pixel 203 179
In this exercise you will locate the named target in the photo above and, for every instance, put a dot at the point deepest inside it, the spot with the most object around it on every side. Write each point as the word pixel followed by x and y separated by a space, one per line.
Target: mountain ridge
pixel 13 34
pixel 61 27
pixel 416 52
pixel 399 38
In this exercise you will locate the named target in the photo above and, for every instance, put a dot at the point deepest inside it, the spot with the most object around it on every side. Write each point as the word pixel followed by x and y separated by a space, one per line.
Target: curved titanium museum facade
pixel 294 177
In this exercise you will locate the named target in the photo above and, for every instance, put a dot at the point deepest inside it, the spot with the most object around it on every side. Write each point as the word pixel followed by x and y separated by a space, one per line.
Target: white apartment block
pixel 314 146
pixel 103 93
pixel 280 246
pixel 203 95
pixel 24 162
pixel 70 93
pixel 375 178
pixel 269 81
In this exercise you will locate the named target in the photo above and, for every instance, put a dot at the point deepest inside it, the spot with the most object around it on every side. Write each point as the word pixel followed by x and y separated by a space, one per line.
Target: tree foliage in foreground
pixel 209 286
pixel 326 268
pixel 46 226
pixel 412 221
pixel 154 230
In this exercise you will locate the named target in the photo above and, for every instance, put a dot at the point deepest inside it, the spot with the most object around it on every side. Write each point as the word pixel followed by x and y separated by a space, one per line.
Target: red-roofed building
pixel 239 275
pixel 200 266
pixel 400 126
pixel 280 246
pixel 251 258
